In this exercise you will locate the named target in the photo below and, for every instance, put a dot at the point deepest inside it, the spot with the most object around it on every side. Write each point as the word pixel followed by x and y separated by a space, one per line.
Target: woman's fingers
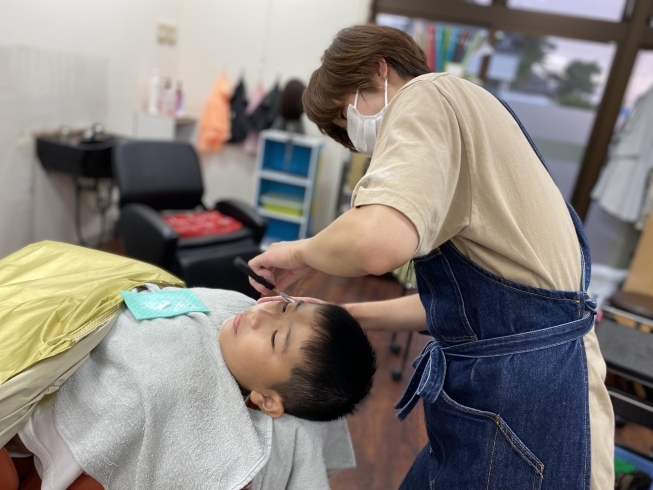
pixel 279 255
pixel 265 274
pixel 286 278
pixel 314 301
pixel 260 288
pixel 279 265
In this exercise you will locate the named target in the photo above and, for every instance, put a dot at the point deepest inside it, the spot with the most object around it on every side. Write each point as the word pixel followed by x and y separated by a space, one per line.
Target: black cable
pixel 78 212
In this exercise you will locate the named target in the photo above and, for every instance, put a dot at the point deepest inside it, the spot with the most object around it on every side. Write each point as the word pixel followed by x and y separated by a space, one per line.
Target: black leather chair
pixel 153 176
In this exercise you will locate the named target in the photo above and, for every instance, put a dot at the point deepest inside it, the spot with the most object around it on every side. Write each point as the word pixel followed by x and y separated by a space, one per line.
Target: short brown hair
pixel 348 65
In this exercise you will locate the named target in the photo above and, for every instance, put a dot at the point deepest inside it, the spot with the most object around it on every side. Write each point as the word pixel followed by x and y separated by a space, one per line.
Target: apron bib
pixel 504 380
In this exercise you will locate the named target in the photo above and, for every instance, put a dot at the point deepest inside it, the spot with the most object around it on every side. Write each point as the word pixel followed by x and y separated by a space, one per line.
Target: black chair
pixel 153 176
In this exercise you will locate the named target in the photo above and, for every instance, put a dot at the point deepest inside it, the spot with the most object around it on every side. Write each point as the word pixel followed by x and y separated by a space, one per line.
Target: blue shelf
pixel 286 164
pixel 281 230
pixel 275 155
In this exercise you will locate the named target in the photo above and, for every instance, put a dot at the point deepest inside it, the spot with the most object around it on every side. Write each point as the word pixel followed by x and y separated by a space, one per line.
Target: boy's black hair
pixel 337 370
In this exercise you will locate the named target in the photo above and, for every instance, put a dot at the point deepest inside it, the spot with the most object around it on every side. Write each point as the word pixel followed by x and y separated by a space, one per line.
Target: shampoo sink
pixel 77 153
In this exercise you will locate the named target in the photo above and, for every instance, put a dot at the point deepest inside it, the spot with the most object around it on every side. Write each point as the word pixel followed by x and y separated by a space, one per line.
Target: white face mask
pixel 362 130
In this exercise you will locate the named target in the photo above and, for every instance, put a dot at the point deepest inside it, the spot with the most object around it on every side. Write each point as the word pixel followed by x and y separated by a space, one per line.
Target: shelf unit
pixel 286 165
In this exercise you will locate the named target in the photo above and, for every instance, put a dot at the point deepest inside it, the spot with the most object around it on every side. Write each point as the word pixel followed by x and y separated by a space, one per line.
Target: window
pixel 553 84
pixel 611 10
pixel 641 79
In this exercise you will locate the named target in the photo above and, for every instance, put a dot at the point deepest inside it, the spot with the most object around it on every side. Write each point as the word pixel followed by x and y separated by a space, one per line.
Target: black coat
pixel 238 116
pixel 264 115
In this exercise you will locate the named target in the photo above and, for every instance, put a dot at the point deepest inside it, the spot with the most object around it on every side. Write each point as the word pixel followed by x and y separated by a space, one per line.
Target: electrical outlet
pixel 161 31
pixel 166 32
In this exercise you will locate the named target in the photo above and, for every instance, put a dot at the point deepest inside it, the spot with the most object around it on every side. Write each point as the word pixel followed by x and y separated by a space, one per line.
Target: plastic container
pixel 168 98
pixel 179 99
pixel 605 281
pixel 639 462
pixel 282 210
pixel 154 93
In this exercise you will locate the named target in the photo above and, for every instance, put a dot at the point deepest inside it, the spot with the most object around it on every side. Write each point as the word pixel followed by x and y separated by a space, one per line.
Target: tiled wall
pixel 41 90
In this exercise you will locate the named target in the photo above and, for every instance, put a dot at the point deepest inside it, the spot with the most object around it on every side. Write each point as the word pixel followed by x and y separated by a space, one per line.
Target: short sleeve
pixel 417 164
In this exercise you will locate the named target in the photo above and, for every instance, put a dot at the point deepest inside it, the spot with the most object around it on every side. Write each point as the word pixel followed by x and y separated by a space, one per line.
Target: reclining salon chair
pixel 164 222
pixel 20 474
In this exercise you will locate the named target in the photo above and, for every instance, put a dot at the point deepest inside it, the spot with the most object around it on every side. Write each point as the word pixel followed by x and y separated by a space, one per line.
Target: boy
pixel 159 391
pixel 318 363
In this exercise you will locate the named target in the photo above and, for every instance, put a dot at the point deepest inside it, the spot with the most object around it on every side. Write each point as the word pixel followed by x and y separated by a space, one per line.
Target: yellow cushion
pixel 54 294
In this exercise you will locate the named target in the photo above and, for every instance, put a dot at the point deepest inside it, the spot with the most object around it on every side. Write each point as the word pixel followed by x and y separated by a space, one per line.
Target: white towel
pixel 155 406
pixel 305 454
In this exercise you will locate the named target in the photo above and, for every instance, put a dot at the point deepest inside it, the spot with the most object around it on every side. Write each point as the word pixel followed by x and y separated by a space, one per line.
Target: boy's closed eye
pixel 274 334
pixel 287 339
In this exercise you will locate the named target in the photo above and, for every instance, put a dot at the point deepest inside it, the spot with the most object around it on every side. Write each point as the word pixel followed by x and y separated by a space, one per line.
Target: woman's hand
pixel 313 301
pixel 371 239
pixel 284 256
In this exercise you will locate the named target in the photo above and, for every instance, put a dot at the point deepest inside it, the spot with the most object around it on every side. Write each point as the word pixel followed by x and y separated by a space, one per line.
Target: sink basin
pixel 73 155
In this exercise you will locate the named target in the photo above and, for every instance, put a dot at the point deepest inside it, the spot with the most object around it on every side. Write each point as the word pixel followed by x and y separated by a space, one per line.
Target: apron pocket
pixel 478 450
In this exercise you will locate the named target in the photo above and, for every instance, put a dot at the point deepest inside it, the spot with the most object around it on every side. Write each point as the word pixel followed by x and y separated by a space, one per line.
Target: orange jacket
pixel 215 123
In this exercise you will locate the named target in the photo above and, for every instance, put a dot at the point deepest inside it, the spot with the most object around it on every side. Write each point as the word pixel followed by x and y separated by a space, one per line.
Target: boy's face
pixel 262 345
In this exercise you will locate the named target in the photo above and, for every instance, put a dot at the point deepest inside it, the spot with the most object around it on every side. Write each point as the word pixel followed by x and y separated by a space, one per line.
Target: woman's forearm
pixel 401 314
pixel 367 240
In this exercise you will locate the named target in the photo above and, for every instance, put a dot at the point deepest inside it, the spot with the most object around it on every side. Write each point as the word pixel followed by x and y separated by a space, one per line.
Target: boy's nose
pixel 260 318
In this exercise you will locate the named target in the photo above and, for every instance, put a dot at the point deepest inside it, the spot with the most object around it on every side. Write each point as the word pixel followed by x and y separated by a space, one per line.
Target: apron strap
pixel 431 365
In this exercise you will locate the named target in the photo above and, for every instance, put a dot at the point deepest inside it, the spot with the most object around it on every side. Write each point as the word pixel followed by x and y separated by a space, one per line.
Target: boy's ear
pixel 271 404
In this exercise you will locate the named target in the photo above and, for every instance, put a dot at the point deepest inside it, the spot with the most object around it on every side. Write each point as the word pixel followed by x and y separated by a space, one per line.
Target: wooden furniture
pixel 640 276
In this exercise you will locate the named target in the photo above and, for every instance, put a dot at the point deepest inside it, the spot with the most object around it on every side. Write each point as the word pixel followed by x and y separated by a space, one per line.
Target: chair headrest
pixel 160 174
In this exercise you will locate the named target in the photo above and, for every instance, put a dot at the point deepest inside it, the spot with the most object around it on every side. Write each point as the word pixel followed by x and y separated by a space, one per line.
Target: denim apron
pixel 504 382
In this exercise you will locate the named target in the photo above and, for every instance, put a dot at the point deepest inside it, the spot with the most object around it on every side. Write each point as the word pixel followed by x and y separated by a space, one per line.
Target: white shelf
pixel 285 136
pixel 285 178
pixel 281 216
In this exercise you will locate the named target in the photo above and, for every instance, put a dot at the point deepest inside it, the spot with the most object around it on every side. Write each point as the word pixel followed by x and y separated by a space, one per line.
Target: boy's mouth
pixel 237 319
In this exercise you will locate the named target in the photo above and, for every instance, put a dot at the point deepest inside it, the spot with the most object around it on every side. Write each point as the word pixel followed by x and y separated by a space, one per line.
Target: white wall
pixel 265 40
pixel 123 31
pixel 50 56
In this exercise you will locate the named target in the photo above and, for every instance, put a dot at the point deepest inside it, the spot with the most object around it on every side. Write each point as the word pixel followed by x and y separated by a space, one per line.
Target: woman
pixel 512 383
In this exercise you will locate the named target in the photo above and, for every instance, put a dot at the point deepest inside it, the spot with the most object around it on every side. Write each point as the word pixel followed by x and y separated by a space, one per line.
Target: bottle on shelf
pixel 154 93
pixel 168 98
pixel 179 100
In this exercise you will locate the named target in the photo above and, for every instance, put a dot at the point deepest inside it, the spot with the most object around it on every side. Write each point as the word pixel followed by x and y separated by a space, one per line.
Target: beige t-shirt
pixel 452 159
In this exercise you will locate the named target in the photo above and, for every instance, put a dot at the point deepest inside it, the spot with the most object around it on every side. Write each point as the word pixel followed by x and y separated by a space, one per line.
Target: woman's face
pixel 370 103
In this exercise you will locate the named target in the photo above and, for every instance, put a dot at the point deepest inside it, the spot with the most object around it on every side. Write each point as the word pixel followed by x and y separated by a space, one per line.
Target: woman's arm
pixel 401 314
pixel 370 239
